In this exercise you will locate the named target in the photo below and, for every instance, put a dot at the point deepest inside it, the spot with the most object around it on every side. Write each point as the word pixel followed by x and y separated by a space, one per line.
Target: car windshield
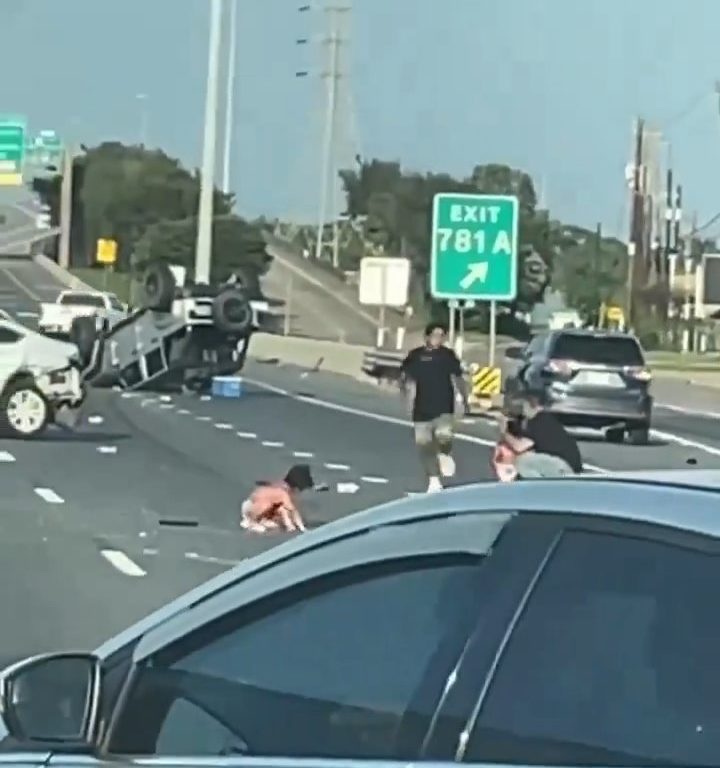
pixel 598 349
pixel 82 300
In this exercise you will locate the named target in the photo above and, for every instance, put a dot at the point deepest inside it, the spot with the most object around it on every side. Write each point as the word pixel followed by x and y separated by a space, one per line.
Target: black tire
pixel 639 434
pixel 22 395
pixel 615 435
pixel 158 287
pixel 84 335
pixel 232 313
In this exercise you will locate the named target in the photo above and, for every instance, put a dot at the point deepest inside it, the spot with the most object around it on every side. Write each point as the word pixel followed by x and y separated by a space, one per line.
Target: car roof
pixel 685 499
pixel 597 333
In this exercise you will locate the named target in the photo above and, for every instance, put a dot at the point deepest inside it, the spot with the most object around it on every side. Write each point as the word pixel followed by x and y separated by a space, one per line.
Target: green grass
pixel 105 280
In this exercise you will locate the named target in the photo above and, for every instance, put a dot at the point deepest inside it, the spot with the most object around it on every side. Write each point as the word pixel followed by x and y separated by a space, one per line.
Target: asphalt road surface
pixel 99 526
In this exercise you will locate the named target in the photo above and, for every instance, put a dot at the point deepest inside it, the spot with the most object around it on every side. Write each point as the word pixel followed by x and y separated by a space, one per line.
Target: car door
pixel 336 655
pixel 612 659
pixel 11 351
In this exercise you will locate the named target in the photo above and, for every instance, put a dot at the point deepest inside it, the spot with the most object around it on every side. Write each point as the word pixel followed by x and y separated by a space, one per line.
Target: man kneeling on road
pixel 542 446
pixel 431 377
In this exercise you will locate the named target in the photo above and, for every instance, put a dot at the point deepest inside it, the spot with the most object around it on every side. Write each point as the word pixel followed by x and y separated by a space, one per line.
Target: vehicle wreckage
pixel 180 338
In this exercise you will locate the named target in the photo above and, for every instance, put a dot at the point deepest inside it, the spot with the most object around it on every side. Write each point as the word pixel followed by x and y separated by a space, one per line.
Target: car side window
pixel 613 662
pixel 9 336
pixel 349 666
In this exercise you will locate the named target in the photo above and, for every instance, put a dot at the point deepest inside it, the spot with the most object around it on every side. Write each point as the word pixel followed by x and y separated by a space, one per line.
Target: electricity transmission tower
pixel 339 146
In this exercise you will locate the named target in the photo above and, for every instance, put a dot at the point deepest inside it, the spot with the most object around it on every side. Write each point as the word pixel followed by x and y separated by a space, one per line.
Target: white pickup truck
pixel 56 317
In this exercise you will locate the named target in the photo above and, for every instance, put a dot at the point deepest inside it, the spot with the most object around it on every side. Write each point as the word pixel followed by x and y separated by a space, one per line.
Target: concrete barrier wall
pixel 336 357
pixel 60 274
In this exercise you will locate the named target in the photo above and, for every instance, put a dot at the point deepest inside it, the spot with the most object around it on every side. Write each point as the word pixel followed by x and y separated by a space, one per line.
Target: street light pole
pixel 230 92
pixel 203 250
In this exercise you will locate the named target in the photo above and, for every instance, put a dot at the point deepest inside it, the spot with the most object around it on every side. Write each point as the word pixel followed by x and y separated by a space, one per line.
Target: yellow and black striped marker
pixel 486 381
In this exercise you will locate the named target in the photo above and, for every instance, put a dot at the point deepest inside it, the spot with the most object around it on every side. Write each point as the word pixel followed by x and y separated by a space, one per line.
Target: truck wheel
pixel 159 287
pixel 232 312
pixel 83 335
pixel 23 408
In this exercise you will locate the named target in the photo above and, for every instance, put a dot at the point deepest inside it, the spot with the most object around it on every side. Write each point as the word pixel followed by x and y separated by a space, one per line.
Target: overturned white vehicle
pixel 181 337
pixel 40 381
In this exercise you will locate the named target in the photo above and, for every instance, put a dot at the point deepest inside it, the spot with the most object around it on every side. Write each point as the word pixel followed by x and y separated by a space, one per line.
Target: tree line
pixel 147 202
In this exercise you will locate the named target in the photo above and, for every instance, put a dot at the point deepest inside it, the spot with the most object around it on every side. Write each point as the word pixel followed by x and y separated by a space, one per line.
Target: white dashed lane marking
pixel 183 412
pixel 209 559
pixel 247 435
pixel 337 467
pixel 107 449
pixel 121 562
pixel 95 420
pixel 223 426
pixel 6 457
pixel 48 495
pixel 203 418
pixel 374 479
pixel 272 444
pixel 303 454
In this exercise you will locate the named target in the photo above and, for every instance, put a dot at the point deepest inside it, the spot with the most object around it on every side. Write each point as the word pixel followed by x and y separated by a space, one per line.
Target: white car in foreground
pixel 56 317
pixel 40 381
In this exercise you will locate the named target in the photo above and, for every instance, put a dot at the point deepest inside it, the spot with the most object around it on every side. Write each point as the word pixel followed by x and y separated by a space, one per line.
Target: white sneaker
pixel 434 485
pixel 447 464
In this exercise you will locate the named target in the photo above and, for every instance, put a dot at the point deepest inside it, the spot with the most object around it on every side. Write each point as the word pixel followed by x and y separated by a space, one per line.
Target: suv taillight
pixel 637 372
pixel 559 367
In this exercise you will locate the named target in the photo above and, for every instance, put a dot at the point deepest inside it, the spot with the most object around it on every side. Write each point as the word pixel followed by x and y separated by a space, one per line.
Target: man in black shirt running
pixel 431 376
pixel 550 440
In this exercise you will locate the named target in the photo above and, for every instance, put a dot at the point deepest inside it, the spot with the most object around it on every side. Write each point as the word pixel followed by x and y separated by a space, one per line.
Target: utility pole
pixel 203 252
pixel 229 96
pixel 328 169
pixel 636 223
pixel 66 203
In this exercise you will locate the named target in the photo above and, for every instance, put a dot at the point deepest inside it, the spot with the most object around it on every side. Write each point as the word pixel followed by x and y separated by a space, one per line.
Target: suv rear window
pixel 618 350
pixel 83 300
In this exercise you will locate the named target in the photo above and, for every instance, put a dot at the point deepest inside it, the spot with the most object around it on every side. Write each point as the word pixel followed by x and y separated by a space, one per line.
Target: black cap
pixel 299 477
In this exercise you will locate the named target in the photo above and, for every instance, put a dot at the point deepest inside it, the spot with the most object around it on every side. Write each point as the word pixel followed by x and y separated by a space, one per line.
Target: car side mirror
pixel 52 697
pixel 515 352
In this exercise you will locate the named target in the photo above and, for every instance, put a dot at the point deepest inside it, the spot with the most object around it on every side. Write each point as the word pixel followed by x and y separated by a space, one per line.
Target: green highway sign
pixel 12 151
pixel 474 252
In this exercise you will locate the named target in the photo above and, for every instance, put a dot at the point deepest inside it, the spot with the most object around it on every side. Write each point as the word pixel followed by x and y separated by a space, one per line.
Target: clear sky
pixel 551 86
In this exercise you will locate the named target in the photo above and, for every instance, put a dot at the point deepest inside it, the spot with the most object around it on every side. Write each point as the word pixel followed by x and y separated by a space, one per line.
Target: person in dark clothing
pixel 549 439
pixel 431 377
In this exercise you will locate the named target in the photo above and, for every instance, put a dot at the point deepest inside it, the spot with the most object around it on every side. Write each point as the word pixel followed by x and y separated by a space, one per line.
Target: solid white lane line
pixel 461 436
pixel 272 444
pixel 337 467
pixel 6 457
pixel 685 442
pixel 688 411
pixel 247 435
pixel 121 562
pixel 374 479
pixel 27 314
pixel 48 495
pixel 223 426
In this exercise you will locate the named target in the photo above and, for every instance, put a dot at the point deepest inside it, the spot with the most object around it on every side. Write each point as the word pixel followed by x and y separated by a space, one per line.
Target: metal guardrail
pixel 382 364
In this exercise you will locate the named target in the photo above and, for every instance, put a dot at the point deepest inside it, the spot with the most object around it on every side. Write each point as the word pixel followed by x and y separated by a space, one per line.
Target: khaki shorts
pixel 436 430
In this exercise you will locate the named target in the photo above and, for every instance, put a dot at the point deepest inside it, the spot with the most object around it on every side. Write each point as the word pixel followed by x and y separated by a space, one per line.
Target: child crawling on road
pixel 272 506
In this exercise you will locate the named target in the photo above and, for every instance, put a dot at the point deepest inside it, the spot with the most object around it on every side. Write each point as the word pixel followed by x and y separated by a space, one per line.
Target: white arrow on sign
pixel 476 272
pixel 348 487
